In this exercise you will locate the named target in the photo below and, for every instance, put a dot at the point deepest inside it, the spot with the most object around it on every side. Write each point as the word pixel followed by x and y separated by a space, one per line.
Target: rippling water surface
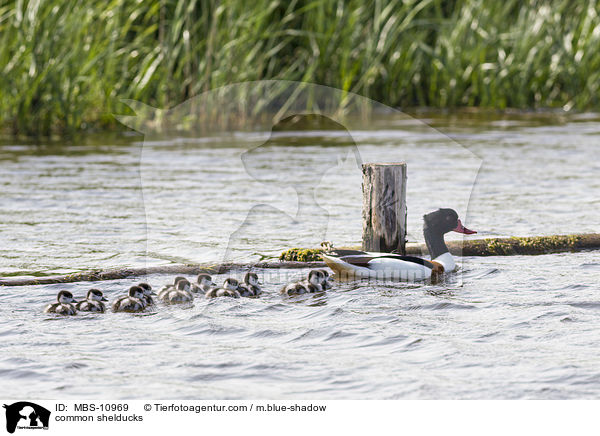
pixel 503 327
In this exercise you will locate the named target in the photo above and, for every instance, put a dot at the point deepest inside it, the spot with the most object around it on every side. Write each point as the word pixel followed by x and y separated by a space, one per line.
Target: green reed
pixel 65 65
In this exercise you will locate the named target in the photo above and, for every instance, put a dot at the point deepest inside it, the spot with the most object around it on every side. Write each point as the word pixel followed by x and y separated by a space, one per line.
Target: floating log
pixel 384 207
pixel 310 258
pixel 532 245
pixel 122 273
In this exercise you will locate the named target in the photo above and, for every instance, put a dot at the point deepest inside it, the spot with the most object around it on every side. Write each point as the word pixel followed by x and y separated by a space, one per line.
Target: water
pixel 504 327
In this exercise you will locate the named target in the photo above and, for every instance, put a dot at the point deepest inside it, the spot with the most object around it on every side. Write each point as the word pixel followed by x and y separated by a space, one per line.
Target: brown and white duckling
pixel 65 305
pixel 294 289
pixel 251 286
pixel 148 293
pixel 132 302
pixel 93 302
pixel 205 284
pixel 326 283
pixel 316 279
pixel 167 288
pixel 181 293
pixel 229 289
pixel 314 283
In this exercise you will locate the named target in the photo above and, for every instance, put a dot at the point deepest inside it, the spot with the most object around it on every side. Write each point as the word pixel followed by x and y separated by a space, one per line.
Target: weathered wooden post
pixel 384 207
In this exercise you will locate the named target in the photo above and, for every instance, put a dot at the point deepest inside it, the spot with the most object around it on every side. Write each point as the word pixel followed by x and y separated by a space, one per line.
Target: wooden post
pixel 384 207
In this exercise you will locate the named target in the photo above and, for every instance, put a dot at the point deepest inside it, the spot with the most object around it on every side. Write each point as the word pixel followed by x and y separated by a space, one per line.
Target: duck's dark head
pixel 146 289
pixel 444 221
pixel 436 225
pixel 178 278
pixel 251 279
pixel 325 273
pixel 136 292
pixel 65 297
pixel 204 278
pixel 231 284
pixel 95 295
pixel 183 284
pixel 316 277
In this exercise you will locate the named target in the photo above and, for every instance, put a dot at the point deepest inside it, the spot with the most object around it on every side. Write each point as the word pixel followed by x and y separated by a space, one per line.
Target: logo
pixel 26 415
pixel 308 146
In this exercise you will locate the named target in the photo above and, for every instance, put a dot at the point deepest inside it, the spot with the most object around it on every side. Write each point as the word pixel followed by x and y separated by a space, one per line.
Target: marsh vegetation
pixel 65 66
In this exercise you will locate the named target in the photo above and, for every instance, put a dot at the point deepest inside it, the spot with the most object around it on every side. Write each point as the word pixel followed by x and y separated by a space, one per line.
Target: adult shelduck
pixel 389 266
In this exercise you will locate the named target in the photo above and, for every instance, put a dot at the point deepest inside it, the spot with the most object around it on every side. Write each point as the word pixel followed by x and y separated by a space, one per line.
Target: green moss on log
pixel 301 255
pixel 532 245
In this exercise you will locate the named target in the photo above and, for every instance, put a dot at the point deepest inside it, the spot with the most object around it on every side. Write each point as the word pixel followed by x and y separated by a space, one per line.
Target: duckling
pixel 251 286
pixel 132 302
pixel 167 288
pixel 326 283
pixel 229 289
pixel 93 302
pixel 148 293
pixel 314 283
pixel 297 288
pixel 204 285
pixel 64 306
pixel 181 293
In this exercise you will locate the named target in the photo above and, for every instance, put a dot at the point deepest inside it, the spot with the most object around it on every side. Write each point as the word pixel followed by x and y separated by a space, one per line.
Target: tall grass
pixel 64 65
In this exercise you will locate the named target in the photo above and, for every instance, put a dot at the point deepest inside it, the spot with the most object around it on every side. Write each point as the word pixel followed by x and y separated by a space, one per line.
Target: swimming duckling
pixel 204 284
pixel 251 286
pixel 314 283
pixel 326 283
pixel 181 293
pixel 148 293
pixel 229 289
pixel 64 306
pixel 167 288
pixel 294 289
pixel 132 302
pixel 93 302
